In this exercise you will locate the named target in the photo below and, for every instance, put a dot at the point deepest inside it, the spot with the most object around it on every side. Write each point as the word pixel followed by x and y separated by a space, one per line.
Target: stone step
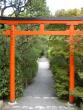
pixel 39 108
pixel 40 97
pixel 43 101
pixel 25 107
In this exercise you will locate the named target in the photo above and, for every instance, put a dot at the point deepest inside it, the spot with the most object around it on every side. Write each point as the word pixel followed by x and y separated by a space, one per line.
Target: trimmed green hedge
pixel 26 66
pixel 59 68
pixel 59 60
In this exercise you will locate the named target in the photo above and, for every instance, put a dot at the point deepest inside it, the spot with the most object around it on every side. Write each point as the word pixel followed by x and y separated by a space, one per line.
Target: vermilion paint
pixel 12 64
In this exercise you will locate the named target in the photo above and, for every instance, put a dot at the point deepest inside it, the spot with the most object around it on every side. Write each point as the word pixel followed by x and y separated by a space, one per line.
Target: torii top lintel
pixel 41 20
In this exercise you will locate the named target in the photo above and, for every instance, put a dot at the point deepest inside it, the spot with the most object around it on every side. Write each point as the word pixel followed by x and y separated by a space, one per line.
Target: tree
pixel 17 6
pixel 37 8
pixel 70 12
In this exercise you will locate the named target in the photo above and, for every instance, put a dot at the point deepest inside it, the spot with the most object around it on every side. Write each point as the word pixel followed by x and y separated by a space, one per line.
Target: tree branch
pixel 2 11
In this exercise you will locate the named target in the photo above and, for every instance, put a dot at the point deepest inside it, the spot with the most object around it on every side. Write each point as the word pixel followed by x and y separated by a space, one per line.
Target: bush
pixel 61 76
pixel 26 67
pixel 59 59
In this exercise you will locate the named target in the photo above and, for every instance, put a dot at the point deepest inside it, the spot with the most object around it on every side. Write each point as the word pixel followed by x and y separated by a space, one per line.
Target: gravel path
pixel 40 94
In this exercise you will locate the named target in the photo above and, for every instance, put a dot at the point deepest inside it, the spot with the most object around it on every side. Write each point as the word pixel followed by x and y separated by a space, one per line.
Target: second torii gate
pixel 13 32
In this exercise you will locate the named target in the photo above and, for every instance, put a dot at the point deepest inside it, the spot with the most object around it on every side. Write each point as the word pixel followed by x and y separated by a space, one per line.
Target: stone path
pixel 40 94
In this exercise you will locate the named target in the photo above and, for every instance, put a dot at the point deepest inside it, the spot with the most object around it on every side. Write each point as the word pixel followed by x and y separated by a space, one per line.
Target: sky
pixel 55 5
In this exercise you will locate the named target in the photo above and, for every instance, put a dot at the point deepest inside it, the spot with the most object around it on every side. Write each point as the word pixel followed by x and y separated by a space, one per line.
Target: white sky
pixel 55 5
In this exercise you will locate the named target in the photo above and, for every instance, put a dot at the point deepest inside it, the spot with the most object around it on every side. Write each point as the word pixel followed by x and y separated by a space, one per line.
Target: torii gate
pixel 13 32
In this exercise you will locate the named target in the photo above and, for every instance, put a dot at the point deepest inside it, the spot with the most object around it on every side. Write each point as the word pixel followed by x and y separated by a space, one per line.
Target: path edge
pixel 1 104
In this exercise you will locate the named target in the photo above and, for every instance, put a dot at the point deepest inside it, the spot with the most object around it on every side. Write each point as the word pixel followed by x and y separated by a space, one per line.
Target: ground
pixel 40 95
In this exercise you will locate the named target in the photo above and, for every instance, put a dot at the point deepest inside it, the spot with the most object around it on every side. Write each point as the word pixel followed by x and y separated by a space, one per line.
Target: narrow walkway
pixel 40 94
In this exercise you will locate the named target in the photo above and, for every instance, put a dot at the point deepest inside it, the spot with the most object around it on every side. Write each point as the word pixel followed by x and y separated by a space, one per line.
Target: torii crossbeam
pixel 13 32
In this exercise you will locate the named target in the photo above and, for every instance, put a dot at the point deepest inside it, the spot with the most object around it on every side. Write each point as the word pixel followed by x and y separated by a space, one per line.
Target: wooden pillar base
pixel 69 105
pixel 12 103
pixel 71 99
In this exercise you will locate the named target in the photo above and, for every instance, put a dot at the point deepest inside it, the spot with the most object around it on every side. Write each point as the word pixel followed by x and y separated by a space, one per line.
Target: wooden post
pixel 42 27
pixel 72 69
pixel 12 64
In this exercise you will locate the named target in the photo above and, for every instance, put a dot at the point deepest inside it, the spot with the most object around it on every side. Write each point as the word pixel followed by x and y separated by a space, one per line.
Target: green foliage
pixel 26 67
pixel 36 8
pixel 59 65
pixel 79 92
pixel 4 71
pixel 70 12
pixel 59 59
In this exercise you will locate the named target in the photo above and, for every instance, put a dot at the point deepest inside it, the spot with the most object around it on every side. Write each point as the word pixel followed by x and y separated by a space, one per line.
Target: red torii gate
pixel 13 32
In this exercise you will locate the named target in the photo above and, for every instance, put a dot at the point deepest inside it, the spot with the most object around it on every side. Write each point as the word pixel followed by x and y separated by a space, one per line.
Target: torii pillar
pixel 12 64
pixel 72 67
